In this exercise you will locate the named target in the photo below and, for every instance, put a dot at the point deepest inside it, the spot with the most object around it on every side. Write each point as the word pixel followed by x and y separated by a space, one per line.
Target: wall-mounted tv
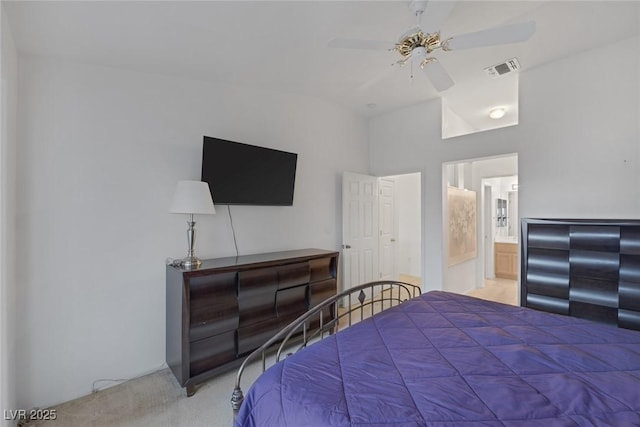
pixel 243 174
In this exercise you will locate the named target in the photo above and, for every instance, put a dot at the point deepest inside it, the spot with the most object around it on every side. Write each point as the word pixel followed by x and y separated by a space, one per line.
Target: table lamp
pixel 192 198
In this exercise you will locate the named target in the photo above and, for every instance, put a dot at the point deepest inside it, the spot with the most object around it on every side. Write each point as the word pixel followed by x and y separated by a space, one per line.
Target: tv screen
pixel 243 174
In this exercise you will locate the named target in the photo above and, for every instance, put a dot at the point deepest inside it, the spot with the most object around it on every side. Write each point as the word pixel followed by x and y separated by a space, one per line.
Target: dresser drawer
pixel 322 269
pixel 291 302
pixel 211 352
pixel 256 295
pixel 293 275
pixel 320 291
pixel 252 337
pixel 214 307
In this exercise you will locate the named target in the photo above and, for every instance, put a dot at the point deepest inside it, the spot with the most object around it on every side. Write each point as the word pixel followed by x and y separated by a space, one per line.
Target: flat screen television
pixel 243 174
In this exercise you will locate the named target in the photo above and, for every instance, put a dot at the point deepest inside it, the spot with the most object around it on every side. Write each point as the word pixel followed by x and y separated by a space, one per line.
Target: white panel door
pixel 386 242
pixel 359 229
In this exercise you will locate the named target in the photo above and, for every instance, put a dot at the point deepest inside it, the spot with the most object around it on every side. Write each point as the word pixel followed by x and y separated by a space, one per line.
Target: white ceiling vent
pixel 506 67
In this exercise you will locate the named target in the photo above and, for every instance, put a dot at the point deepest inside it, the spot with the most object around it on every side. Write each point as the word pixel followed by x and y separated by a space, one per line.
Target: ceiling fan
pixel 418 42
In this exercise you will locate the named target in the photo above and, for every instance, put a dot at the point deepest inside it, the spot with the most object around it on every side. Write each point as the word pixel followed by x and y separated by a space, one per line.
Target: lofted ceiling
pixel 282 45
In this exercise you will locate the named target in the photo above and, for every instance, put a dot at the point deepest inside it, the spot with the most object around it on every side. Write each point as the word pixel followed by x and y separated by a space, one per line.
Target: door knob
pixel 346 246
pixel 393 240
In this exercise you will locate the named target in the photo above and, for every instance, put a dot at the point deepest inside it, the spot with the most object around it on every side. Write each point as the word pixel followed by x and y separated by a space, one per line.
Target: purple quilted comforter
pixel 448 360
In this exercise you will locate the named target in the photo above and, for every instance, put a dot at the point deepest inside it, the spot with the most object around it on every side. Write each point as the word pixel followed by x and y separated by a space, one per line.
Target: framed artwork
pixel 463 241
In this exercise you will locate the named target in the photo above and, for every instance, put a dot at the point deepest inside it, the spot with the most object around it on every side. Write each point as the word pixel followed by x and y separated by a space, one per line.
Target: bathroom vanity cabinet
pixel 506 260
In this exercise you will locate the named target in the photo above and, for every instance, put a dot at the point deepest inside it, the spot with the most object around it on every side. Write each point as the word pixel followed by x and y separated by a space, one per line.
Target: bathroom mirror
pixel 501 212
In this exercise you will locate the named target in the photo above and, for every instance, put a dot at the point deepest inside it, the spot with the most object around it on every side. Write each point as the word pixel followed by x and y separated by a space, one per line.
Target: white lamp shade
pixel 192 197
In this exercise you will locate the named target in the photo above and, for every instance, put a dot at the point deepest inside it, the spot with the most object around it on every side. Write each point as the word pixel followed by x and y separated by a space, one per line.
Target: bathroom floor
pixel 499 290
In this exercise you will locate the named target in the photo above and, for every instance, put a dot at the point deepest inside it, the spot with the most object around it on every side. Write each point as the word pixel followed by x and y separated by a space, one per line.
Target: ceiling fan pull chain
pixel 411 75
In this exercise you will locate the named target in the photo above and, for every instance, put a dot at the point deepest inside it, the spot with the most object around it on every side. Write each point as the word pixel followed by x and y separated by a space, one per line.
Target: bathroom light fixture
pixel 497 113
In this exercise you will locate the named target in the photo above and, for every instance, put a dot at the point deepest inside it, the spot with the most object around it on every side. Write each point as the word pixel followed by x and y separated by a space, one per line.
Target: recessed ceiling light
pixel 497 113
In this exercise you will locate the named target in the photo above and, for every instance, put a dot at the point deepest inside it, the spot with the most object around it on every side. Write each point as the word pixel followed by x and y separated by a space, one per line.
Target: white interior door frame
pixel 487 232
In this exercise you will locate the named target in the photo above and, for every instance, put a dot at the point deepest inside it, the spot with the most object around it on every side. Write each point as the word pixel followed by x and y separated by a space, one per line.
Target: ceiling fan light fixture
pixel 418 55
pixel 415 39
pixel 497 113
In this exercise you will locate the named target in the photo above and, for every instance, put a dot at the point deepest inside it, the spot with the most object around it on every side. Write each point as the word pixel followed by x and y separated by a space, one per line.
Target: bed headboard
pixel 582 268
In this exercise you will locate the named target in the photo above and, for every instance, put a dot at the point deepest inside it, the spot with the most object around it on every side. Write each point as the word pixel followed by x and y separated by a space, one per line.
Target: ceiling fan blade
pixel 513 33
pixel 438 76
pixel 435 14
pixel 361 44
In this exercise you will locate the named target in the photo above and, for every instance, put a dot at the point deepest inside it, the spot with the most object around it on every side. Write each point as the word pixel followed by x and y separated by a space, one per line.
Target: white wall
pixel 8 107
pixel 100 151
pixel 578 144
pixel 452 124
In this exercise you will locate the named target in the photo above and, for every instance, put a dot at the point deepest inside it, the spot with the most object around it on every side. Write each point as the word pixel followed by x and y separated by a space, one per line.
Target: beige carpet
pixel 155 400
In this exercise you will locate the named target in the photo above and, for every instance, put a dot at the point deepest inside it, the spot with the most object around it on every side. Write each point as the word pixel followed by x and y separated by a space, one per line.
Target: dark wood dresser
pixel 582 268
pixel 222 311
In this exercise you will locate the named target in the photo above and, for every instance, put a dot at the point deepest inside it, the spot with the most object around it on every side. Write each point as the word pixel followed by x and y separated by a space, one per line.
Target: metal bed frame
pixel 311 326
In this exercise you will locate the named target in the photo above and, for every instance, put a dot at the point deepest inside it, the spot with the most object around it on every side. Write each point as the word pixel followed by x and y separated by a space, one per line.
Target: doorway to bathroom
pixel 493 272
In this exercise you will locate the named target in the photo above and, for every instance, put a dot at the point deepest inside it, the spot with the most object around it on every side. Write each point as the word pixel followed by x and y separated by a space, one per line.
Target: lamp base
pixel 190 263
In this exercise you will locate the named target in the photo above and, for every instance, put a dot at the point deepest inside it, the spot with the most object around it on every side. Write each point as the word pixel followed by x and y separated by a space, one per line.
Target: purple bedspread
pixel 443 359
